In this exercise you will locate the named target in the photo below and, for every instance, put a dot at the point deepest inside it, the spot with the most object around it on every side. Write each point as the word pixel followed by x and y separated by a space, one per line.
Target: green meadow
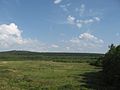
pixel 43 75
pixel 48 71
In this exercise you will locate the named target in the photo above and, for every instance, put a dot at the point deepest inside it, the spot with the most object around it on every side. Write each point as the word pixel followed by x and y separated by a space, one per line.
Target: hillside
pixel 27 55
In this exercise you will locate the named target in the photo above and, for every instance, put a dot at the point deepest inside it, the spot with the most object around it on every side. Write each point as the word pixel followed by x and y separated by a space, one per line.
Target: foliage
pixel 56 57
pixel 97 62
pixel 111 66
pixel 43 75
pixel 23 70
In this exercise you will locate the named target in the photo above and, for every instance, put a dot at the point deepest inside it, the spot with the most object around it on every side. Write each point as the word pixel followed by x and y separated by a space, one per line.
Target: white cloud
pixel 71 19
pixel 57 1
pixel 87 38
pixel 68 48
pixel 54 46
pixel 11 38
pixel 88 21
pixel 86 42
pixel 97 18
pixel 75 40
pixel 80 22
pixel 9 35
pixel 90 37
pixel 79 25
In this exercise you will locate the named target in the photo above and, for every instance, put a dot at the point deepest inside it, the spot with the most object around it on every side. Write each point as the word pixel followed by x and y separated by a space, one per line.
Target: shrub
pixel 111 66
pixel 97 62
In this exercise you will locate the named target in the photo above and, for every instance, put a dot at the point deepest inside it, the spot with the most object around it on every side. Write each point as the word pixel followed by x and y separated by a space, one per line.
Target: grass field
pixel 44 75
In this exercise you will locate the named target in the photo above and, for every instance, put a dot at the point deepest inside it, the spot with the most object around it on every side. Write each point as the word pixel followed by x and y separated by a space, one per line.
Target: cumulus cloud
pixel 75 40
pixel 11 38
pixel 88 40
pixel 90 37
pixel 85 42
pixel 57 1
pixel 9 35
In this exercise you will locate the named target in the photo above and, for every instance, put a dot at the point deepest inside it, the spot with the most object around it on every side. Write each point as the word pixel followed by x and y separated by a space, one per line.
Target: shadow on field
pixel 94 81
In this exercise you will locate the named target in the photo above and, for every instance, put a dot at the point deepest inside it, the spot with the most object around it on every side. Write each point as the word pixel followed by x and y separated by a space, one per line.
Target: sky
pixel 87 26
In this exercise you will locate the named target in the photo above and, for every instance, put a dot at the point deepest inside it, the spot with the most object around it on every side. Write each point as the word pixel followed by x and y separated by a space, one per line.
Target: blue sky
pixel 59 25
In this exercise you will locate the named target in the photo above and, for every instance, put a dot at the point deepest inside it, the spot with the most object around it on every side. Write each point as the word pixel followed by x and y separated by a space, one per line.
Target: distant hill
pixel 53 56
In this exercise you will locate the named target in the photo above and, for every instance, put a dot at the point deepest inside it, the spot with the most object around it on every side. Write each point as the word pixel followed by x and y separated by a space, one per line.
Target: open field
pixel 44 75
pixel 23 70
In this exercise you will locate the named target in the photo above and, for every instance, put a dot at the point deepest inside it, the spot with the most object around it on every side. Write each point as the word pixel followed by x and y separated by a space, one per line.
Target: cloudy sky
pixel 59 25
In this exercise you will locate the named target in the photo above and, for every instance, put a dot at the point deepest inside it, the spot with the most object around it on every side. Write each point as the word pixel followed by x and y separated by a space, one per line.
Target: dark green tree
pixel 111 66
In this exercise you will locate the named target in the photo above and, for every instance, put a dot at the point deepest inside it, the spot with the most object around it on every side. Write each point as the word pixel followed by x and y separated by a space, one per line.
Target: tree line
pixel 110 64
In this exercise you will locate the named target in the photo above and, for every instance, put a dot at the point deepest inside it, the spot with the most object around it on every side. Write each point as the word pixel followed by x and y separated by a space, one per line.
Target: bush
pixel 97 62
pixel 111 66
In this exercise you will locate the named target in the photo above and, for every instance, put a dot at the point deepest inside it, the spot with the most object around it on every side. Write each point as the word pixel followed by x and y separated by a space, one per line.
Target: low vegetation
pixel 56 57
pixel 23 70
pixel 44 75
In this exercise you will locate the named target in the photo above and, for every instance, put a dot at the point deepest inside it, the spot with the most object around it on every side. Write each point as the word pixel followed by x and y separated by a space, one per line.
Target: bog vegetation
pixel 23 70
